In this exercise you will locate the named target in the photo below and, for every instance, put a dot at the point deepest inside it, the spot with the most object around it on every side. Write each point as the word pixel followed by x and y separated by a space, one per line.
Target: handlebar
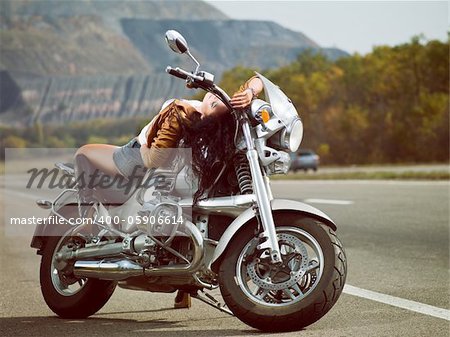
pixel 176 72
pixel 183 74
pixel 205 81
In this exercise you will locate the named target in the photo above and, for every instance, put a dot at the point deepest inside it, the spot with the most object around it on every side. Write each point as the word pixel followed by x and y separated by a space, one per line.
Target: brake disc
pixel 299 262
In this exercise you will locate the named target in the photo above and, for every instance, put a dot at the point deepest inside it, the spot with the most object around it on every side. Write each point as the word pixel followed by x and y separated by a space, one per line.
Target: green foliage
pixel 54 142
pixel 14 141
pixel 38 133
pixel 97 140
pixel 234 78
pixel 391 105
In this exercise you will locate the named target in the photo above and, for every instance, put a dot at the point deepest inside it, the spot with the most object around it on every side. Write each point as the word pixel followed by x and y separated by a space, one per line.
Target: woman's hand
pixel 242 99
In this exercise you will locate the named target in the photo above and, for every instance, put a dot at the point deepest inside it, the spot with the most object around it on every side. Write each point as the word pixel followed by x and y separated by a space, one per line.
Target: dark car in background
pixel 304 160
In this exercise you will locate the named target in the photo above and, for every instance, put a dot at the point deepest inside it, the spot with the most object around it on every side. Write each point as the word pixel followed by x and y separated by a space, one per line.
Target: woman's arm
pixel 247 92
pixel 157 153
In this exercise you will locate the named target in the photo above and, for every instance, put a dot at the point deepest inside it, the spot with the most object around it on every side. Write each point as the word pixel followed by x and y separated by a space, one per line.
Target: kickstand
pixel 210 300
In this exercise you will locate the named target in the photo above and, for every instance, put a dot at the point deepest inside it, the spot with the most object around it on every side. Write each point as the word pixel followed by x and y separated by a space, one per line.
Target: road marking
pixel 328 201
pixel 398 302
pixel 363 182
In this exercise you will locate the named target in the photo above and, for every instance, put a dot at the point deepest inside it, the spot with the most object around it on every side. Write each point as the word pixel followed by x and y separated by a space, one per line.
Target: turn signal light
pixel 265 116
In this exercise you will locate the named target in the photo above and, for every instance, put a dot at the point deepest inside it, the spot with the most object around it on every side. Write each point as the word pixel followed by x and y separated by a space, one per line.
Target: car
pixel 304 160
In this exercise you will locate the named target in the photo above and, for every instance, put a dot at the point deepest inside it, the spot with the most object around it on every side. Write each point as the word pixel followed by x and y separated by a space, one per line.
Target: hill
pixel 76 60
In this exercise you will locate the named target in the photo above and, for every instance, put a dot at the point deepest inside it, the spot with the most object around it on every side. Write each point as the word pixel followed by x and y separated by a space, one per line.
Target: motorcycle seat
pixel 115 190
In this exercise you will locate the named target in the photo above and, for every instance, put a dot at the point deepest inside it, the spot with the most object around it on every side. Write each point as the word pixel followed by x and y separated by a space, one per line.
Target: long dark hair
pixel 212 142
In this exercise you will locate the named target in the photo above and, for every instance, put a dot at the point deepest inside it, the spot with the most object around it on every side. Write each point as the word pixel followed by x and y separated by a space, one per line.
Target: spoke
pixel 287 249
pixel 256 290
pixel 289 257
pixel 293 263
pixel 261 294
pixel 289 294
pixel 312 266
pixel 297 289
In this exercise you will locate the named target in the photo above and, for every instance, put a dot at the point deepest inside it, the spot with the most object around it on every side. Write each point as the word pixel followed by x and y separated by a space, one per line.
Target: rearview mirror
pixel 176 42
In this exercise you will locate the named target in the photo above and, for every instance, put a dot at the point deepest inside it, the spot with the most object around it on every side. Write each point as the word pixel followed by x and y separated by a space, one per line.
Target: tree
pixel 14 141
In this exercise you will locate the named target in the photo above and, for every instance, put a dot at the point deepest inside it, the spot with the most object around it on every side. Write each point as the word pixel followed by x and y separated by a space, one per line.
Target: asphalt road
pixel 396 236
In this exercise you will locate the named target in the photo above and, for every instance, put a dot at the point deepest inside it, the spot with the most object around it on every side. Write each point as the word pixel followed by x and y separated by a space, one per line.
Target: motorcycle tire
pixel 90 298
pixel 296 315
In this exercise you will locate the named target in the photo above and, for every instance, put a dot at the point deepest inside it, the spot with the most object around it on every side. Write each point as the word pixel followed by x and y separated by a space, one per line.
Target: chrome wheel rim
pixel 65 285
pixel 291 281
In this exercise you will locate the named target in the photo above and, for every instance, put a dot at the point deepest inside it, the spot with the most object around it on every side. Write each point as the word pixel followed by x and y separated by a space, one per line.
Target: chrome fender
pixel 248 214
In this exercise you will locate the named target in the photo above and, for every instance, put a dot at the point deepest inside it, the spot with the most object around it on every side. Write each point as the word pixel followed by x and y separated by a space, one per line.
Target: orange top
pixel 165 131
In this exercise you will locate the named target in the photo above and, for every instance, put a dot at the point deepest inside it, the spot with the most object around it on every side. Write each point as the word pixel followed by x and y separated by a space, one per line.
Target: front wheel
pixel 294 294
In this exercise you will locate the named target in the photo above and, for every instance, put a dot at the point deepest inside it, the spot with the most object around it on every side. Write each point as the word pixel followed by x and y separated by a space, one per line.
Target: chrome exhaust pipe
pixel 99 251
pixel 122 269
pixel 107 270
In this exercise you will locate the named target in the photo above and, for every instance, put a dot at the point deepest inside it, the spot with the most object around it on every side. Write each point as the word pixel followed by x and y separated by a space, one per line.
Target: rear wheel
pixel 66 295
pixel 295 293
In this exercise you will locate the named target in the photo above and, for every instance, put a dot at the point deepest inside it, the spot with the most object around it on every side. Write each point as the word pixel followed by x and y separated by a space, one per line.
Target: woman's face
pixel 212 106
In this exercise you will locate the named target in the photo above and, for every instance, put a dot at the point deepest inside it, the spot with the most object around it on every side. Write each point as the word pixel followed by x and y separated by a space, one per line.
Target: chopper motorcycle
pixel 278 263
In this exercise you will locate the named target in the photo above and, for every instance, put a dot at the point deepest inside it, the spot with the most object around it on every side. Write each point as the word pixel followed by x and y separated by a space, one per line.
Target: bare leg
pixel 101 156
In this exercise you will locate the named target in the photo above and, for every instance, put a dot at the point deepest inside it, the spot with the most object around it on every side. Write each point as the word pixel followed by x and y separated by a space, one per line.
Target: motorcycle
pixel 278 263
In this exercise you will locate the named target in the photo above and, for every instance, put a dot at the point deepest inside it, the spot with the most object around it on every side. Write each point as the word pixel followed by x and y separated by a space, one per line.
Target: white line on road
pixel 362 182
pixel 398 302
pixel 328 201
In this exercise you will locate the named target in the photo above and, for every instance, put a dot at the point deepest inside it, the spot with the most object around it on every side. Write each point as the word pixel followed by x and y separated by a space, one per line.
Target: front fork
pixel 262 198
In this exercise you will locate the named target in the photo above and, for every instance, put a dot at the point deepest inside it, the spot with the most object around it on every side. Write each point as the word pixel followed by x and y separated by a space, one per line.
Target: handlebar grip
pixel 175 73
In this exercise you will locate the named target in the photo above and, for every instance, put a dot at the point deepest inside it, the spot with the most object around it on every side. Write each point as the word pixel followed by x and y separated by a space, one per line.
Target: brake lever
pixel 207 78
pixel 190 84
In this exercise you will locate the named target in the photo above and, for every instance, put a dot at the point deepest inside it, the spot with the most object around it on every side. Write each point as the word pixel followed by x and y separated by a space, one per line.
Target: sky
pixel 354 26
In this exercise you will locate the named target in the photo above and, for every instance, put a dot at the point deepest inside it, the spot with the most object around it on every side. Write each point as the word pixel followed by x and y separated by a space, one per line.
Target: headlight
pixel 290 138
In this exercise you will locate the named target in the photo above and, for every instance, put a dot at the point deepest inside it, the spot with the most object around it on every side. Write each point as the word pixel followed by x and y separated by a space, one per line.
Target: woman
pixel 205 126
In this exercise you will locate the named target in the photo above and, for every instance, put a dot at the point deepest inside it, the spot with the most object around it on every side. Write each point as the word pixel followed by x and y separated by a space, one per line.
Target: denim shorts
pixel 128 159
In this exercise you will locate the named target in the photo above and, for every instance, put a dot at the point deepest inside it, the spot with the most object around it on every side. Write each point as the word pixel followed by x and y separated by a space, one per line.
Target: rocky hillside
pixel 82 37
pixel 68 98
pixel 111 10
pixel 219 45
pixel 75 60
pixel 67 46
